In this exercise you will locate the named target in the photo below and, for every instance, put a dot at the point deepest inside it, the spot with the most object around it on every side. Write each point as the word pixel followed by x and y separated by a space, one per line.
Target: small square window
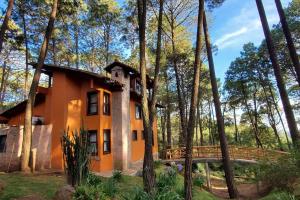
pixel 3 143
pixel 138 111
pixel 93 142
pixel 106 141
pixel 134 135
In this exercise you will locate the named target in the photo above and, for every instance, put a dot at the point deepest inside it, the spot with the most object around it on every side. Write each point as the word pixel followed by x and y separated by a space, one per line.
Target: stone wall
pixel 41 142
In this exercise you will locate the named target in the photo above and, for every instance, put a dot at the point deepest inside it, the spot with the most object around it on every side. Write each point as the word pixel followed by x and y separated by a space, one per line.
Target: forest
pixel 256 105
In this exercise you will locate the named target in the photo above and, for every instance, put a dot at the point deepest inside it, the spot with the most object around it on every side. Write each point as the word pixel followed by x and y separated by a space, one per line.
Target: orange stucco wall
pixel 65 108
pixel 137 147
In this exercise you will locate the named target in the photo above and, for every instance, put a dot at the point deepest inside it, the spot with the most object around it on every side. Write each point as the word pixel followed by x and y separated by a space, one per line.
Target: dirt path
pixel 249 191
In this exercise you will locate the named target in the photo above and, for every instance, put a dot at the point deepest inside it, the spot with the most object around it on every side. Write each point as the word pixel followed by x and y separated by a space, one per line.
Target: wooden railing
pixel 235 152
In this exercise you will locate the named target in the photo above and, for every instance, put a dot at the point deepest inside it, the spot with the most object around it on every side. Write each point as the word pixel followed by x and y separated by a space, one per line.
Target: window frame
pixel 89 141
pixel 140 109
pixel 107 141
pixel 134 132
pixel 89 103
pixel 143 134
pixel 3 149
pixel 106 104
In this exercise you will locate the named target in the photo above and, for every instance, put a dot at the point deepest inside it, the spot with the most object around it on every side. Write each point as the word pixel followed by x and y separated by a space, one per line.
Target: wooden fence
pixel 235 152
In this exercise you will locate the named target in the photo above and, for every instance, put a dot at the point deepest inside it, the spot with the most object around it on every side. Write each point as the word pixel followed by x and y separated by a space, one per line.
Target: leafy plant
pixel 93 180
pixel 117 175
pixel 167 178
pixel 199 181
pixel 76 156
pixel 109 187
pixel 137 194
pixel 85 192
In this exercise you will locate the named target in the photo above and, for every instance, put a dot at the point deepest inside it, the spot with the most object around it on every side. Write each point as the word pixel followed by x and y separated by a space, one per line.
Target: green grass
pixel 20 185
pixel 45 186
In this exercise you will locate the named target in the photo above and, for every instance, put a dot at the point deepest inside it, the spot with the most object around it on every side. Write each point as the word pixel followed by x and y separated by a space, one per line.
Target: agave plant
pixel 76 156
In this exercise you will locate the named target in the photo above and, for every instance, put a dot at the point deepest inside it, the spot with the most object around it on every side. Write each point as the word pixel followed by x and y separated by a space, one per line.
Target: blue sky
pixel 235 23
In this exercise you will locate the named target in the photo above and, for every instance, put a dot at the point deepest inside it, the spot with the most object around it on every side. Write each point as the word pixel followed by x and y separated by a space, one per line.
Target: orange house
pixel 109 108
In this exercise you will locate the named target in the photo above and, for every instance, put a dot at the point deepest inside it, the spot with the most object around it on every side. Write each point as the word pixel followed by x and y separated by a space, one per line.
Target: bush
pixel 157 164
pixel 93 180
pixel 199 181
pixel 117 175
pixel 109 187
pixel 86 192
pixel 281 174
pixel 137 194
pixel 280 196
pixel 167 178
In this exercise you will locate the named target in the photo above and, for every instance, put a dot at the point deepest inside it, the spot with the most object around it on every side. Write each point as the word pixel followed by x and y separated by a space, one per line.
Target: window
pixel 134 135
pixel 143 135
pixel 2 143
pixel 138 87
pixel 106 103
pixel 93 142
pixel 106 141
pixel 138 111
pixel 92 101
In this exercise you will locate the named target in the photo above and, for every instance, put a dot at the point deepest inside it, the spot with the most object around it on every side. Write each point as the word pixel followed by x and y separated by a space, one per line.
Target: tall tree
pixel 5 22
pixel 288 36
pixel 193 106
pixel 278 75
pixel 32 93
pixel 148 114
pixel 220 122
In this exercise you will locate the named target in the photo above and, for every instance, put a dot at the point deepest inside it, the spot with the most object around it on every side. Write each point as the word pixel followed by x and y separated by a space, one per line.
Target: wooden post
pixel 207 170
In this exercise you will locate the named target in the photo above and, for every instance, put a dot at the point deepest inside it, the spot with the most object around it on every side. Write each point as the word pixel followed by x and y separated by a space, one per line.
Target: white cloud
pixel 245 26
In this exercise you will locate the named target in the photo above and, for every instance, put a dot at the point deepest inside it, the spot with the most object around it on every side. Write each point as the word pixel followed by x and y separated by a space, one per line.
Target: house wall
pixel 41 141
pixel 137 151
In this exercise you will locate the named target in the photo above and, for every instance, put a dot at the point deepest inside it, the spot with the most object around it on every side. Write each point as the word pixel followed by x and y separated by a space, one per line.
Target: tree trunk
pixel 200 125
pixel 32 93
pixel 163 129
pixel 235 127
pixel 169 128
pixel 194 100
pixel 4 26
pixel 229 176
pixel 289 40
pixel 148 168
pixel 279 79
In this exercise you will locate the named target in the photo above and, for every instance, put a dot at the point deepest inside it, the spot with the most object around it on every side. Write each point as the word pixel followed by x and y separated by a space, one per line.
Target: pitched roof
pixel 112 84
pixel 20 107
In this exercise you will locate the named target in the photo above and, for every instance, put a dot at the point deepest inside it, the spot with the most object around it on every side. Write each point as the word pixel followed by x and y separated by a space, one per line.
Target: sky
pixel 235 23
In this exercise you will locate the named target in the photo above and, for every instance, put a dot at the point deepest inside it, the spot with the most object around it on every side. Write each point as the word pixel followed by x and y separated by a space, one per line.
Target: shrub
pixel 282 173
pixel 167 178
pixel 137 194
pixel 117 175
pixel 167 194
pixel 86 192
pixel 76 156
pixel 157 164
pixel 280 196
pixel 93 180
pixel 109 187
pixel 199 181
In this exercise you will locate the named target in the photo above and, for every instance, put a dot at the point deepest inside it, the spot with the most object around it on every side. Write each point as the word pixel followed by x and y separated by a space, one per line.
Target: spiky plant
pixel 76 156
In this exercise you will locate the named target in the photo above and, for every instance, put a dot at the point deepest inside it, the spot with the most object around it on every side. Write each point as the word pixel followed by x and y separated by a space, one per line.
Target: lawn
pixel 45 186
pixel 20 185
